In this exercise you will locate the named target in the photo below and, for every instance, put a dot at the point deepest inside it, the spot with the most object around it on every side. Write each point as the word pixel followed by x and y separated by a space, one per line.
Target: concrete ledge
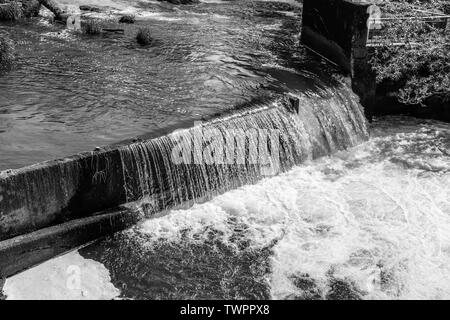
pixel 26 251
pixel 57 191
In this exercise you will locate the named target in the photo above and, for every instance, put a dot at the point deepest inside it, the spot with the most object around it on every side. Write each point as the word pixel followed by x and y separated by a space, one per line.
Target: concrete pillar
pixel 337 29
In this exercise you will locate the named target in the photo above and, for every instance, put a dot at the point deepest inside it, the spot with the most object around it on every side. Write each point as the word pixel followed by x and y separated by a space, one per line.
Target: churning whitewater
pixel 367 223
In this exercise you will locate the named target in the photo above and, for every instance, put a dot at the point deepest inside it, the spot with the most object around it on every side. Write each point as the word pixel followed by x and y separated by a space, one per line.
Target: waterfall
pixel 257 140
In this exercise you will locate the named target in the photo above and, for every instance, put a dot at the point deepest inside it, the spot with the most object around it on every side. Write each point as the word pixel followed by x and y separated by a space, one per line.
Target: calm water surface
pixel 70 93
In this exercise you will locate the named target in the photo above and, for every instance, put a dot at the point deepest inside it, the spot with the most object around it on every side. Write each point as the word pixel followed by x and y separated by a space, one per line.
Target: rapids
pixel 369 222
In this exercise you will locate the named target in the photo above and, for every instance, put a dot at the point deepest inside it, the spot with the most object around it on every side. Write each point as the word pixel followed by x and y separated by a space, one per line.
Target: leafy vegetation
pixel 420 66
pixel 144 36
pixel 10 11
pixel 93 27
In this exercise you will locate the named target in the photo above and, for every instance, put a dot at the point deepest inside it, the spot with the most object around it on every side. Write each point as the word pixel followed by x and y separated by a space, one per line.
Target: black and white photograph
pixel 224 155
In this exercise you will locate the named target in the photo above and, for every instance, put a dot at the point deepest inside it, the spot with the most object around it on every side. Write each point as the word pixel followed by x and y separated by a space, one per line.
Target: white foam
pixel 381 226
pixel 69 277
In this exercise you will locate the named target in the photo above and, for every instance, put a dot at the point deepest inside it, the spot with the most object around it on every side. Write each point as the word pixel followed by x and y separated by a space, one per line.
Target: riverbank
pixel 410 55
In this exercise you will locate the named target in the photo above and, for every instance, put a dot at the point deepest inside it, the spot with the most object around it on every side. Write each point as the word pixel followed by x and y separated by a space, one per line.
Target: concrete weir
pixel 49 208
pixel 53 207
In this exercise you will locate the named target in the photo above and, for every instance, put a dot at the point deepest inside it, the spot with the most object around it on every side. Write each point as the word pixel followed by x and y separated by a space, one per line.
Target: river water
pixel 372 222
pixel 369 222
pixel 70 93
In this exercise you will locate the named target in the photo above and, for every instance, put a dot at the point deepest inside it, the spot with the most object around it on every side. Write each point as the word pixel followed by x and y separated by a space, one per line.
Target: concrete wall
pixel 57 191
pixel 337 29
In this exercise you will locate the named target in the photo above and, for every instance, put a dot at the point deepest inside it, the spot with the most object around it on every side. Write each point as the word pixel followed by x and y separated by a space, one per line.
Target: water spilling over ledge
pixel 223 154
pixel 290 129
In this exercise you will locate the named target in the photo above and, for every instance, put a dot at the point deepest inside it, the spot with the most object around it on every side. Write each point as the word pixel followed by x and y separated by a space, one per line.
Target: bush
pixel 11 11
pixel 6 53
pixel 421 67
pixel 93 27
pixel 144 37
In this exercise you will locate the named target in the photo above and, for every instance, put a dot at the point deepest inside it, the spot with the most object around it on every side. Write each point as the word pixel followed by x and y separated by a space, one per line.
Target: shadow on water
pixel 202 265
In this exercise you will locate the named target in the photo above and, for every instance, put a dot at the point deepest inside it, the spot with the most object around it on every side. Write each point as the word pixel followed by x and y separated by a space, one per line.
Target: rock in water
pixel 127 19
pixel 90 8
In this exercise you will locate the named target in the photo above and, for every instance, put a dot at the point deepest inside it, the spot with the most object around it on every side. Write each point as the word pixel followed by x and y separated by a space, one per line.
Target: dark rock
pixel 90 8
pixel 127 19
pixel 343 290
pixel 308 288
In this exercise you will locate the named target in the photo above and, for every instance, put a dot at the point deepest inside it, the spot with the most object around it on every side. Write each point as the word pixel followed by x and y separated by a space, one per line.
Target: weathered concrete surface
pixel 56 191
pixel 31 249
pixel 337 29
